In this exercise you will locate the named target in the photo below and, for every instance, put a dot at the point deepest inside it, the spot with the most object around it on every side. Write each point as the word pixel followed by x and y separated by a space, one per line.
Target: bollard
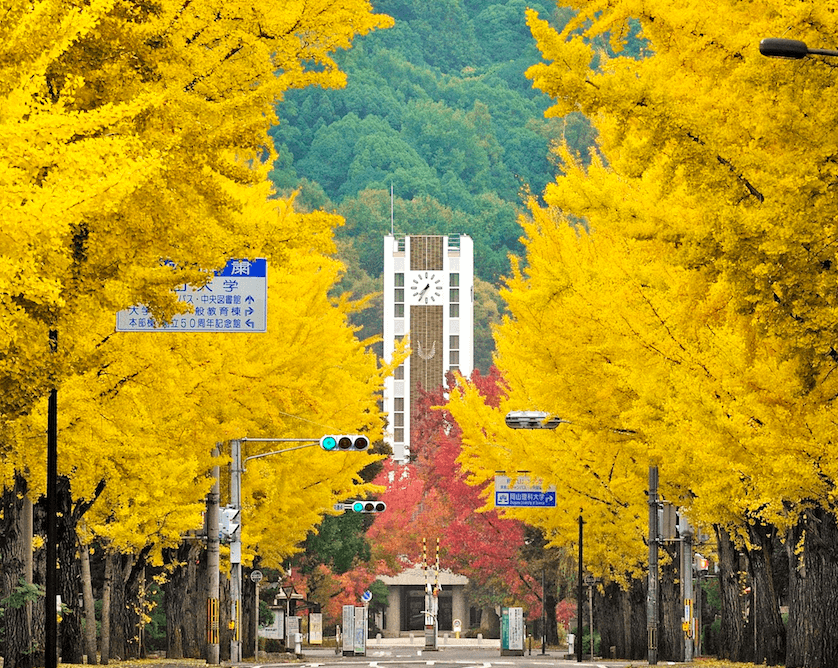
pixel 479 639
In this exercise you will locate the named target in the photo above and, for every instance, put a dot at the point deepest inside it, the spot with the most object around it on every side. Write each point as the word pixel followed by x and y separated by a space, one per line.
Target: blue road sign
pixel 525 499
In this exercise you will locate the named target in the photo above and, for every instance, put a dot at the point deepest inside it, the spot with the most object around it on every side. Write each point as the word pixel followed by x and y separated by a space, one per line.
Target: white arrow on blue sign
pixel 366 597
pixel 523 493
pixel 525 499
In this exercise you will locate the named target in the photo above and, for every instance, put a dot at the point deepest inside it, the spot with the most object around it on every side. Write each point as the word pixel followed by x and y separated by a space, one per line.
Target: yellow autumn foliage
pixel 677 305
pixel 136 159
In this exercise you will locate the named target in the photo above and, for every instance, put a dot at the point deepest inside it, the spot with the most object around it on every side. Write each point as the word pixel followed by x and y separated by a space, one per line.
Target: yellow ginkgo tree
pixel 136 158
pixel 678 302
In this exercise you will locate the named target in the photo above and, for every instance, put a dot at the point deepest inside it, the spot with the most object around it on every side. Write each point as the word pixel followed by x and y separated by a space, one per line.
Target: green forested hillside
pixel 439 107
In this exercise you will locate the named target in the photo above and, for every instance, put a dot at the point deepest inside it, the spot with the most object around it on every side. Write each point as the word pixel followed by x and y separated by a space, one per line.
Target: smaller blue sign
pixel 257 268
pixel 525 499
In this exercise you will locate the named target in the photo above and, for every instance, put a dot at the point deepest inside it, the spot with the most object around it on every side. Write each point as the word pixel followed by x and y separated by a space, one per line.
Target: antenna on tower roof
pixel 392 223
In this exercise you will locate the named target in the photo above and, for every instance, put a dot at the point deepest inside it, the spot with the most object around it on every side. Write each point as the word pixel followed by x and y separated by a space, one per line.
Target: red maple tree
pixel 430 499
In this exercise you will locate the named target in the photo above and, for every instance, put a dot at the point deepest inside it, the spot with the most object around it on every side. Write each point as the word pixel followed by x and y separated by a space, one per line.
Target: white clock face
pixel 426 288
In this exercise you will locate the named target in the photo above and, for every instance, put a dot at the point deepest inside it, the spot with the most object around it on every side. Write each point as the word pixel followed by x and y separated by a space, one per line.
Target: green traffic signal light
pixel 345 443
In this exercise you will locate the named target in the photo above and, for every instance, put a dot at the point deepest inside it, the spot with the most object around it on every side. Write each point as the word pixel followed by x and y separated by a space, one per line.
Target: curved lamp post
pixel 792 49
pixel 543 420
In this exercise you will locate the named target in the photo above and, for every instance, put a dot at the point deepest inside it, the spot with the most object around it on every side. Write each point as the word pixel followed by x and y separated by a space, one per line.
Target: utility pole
pixel 579 596
pixel 51 584
pixel 652 589
pixel 236 553
pixel 543 615
pixel 213 564
pixel 687 573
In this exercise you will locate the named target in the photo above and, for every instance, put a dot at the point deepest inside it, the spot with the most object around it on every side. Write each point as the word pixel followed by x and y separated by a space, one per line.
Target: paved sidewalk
pixel 444 640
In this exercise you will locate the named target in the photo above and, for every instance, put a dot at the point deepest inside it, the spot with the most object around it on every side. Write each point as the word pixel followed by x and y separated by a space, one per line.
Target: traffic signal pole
pixel 359 443
pixel 652 587
pixel 213 560
pixel 236 553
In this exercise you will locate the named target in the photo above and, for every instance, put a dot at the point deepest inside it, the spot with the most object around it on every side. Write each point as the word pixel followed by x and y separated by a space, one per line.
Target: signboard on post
pixel 292 628
pixel 516 629
pixel 315 628
pixel 276 630
pixel 512 632
pixel 523 493
pixel 348 639
pixel 236 300
pixel 360 645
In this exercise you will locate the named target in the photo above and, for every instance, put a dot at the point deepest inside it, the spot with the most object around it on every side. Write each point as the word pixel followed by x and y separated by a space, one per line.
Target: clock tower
pixel 428 294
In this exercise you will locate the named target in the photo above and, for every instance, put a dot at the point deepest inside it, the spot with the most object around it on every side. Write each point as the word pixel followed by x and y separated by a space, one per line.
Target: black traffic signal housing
pixel 365 506
pixel 344 443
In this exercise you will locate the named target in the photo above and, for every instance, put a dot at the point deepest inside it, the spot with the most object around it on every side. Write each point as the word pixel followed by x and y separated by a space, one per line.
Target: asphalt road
pixel 448 657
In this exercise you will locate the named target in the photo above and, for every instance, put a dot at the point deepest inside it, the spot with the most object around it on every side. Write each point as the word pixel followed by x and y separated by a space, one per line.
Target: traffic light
pixel 345 443
pixel 365 506
pixel 229 520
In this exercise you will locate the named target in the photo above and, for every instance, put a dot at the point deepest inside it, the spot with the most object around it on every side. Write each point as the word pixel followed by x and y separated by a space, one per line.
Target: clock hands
pixel 424 290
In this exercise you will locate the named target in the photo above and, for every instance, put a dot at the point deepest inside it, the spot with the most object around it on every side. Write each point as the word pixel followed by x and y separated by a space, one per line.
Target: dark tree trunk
pixel 670 635
pixel 621 616
pixel 71 642
pixel 813 609
pixel 550 603
pixel 195 629
pixel 125 603
pixel 611 621
pixel 613 611
pixel 179 594
pixel 766 627
pixel 226 635
pixel 731 640
pixel 18 647
pixel 248 630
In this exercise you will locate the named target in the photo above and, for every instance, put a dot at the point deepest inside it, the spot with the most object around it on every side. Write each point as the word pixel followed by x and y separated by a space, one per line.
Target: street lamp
pixel 532 420
pixel 542 420
pixel 793 49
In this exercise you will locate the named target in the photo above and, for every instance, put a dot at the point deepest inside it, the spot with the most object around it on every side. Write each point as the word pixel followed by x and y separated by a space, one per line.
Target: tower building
pixel 428 295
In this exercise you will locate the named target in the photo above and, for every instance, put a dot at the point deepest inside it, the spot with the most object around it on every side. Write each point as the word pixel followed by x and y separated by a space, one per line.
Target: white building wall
pixel 458 258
